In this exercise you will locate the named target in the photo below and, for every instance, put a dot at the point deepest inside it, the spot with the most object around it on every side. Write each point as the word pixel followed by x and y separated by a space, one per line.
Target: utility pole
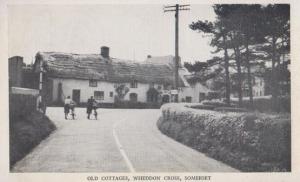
pixel 176 8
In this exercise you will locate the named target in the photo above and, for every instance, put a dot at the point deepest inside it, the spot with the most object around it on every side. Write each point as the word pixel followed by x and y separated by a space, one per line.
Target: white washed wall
pixel 193 92
pixel 86 91
pixel 259 87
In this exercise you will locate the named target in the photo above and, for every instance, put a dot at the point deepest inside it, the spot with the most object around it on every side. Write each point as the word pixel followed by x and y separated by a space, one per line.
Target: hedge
pixel 27 127
pixel 247 141
pixel 20 105
pixel 120 104
pixel 267 105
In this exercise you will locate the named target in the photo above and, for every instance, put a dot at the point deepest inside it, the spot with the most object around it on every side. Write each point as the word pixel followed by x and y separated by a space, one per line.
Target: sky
pixel 131 31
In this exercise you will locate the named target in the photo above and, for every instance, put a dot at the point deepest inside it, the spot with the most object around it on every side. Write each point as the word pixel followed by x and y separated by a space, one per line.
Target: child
pixel 72 107
pixel 67 106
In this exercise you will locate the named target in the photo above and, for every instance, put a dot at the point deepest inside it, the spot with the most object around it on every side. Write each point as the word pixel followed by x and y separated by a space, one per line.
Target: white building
pixel 107 79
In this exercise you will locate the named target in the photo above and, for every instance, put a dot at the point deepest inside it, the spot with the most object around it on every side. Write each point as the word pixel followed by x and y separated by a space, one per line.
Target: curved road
pixel 121 140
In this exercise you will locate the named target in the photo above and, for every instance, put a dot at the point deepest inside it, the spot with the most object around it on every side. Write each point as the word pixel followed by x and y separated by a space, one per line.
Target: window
pixel 166 87
pixel 93 83
pixel 99 95
pixel 253 80
pixel 133 97
pixel 188 99
pixel 111 94
pixel 134 84
pixel 201 96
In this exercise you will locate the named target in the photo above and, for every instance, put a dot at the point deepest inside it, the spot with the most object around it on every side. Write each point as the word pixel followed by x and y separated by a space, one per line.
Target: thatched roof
pixel 163 60
pixel 94 66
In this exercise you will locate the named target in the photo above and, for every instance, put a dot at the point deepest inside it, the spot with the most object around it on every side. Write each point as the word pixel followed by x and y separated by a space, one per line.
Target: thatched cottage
pixel 106 78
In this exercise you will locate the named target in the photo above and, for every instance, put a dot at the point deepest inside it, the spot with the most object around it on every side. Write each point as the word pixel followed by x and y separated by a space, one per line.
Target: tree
pixel 196 67
pixel 219 40
pixel 121 91
pixel 277 41
pixel 244 24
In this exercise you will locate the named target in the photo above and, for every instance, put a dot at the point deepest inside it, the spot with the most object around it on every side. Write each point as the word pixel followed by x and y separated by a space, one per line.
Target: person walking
pixel 89 106
pixel 72 108
pixel 68 101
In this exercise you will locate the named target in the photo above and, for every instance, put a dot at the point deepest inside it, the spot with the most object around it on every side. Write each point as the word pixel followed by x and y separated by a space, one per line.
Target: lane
pixel 77 146
pixel 121 140
pixel 151 151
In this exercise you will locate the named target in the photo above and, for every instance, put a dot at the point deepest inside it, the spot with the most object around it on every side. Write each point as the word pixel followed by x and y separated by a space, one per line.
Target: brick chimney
pixel 105 51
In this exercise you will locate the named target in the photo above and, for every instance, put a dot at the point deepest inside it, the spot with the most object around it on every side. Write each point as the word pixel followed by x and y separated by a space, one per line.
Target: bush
pixel 27 127
pixel 230 109
pixel 216 103
pixel 247 141
pixel 26 133
pixel 20 105
pixel 266 104
pixel 136 105
pixel 206 107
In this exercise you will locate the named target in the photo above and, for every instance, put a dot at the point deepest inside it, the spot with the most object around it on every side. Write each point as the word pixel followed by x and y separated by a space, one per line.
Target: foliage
pixel 121 91
pixel 21 105
pixel 26 133
pixel 247 141
pixel 136 105
pixel 196 67
pixel 248 35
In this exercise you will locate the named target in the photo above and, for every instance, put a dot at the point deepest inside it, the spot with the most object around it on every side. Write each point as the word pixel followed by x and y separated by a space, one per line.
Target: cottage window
pixel 166 87
pixel 93 83
pixel 99 95
pixel 133 97
pixel 111 94
pixel 134 84
pixel 201 96
pixel 188 99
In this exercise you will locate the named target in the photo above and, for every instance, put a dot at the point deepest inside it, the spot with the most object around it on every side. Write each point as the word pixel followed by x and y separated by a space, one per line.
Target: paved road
pixel 121 140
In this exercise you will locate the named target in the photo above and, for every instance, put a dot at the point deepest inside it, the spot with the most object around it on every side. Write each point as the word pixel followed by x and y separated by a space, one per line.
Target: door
pixel 201 96
pixel 133 97
pixel 165 99
pixel 76 96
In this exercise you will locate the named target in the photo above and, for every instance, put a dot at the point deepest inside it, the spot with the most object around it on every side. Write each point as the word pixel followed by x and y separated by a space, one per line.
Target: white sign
pixel 174 92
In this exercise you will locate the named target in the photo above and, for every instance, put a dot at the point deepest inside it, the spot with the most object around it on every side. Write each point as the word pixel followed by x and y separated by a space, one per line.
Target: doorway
pixel 76 96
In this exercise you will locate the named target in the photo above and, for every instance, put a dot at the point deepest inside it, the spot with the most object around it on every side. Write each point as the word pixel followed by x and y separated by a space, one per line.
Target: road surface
pixel 121 140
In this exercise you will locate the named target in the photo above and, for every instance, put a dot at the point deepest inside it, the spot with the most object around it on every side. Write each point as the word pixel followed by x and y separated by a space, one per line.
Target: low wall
pixel 246 141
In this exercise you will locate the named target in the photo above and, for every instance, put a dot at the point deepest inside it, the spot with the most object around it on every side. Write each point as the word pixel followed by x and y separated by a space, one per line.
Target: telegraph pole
pixel 176 8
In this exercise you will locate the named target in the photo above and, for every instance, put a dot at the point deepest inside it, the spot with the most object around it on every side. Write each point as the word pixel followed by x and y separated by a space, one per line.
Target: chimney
pixel 105 51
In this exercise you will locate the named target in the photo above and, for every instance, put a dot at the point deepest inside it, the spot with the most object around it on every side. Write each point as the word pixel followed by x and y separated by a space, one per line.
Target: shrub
pixel 247 141
pixel 206 107
pixel 266 105
pixel 216 103
pixel 230 109
pixel 20 105
pixel 27 127
pixel 136 105
pixel 26 133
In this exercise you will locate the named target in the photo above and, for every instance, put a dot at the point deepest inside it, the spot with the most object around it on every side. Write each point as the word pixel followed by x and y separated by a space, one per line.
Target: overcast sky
pixel 131 31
